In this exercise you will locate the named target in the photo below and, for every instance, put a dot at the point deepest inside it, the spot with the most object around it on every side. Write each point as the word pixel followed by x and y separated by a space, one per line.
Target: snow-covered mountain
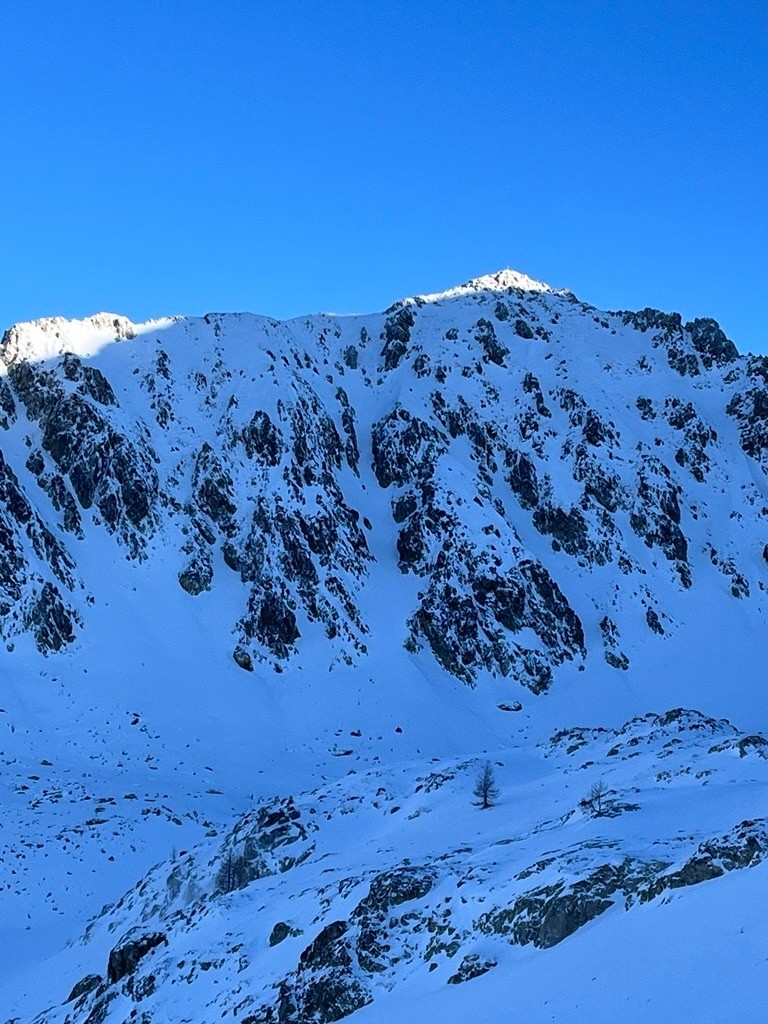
pixel 270 594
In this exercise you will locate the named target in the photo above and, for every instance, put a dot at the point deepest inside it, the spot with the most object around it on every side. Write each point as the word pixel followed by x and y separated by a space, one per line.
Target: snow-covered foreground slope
pixel 271 592
pixel 387 886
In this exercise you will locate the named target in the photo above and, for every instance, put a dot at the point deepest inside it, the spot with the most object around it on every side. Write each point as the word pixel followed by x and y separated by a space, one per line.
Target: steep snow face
pixel 553 477
pixel 260 580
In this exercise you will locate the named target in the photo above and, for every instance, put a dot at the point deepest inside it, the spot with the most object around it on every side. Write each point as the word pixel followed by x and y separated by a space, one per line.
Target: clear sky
pixel 287 156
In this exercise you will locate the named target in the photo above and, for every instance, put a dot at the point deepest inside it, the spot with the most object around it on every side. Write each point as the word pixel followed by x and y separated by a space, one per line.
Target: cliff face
pixel 554 476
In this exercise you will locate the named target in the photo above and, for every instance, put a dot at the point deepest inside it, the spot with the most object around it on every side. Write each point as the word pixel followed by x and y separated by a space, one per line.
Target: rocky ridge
pixel 555 475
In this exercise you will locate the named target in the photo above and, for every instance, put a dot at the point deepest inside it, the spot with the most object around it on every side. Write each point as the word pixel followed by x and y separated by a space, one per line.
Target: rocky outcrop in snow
pixel 555 475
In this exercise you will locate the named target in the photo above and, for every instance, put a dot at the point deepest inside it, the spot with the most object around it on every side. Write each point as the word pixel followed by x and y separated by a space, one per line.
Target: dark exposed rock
pixel 472 628
pixel 610 635
pixel 262 439
pixel 50 621
pixel 320 532
pixel 749 407
pixel 35 462
pixel 85 986
pixel 404 447
pixel 649 319
pixel 745 745
pixel 27 598
pixel 396 337
pixel 645 406
pixel 686 719
pixel 316 446
pixel 739 584
pixel 63 501
pixel 595 431
pixel 657 516
pixel 522 478
pixel 100 1009
pixel 325 950
pixel 351 357
pixel 7 405
pixel 572 403
pixel 599 483
pixel 493 350
pixel 271 492
pixel 745 846
pixel 411 546
pixel 243 658
pixel 12 566
pixel 32 385
pixel 406 504
pixel 324 987
pixel 391 888
pixel 617 659
pixel 669 335
pixel 104 467
pixel 696 436
pixel 91 380
pixel 711 343
pixel 370 922
pixel 278 824
pixel 559 622
pixel 198 575
pixel 271 620
pixel 348 424
pixel 569 528
pixel 292 560
pixel 125 957
pixel 236 559
pixel 321 999
pixel 213 488
pixel 654 622
pixel 548 914
pixel 472 966
pixel 281 931
pixel 506 598
pixel 268 841
pixel 531 386
pixel 450 624
pixel 422 365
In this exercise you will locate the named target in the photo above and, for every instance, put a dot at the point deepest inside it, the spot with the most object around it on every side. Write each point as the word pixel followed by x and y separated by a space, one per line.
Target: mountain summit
pixel 276 591
pixel 500 281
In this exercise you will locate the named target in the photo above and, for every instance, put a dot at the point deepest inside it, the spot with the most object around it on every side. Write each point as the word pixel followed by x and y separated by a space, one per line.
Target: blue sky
pixel 286 157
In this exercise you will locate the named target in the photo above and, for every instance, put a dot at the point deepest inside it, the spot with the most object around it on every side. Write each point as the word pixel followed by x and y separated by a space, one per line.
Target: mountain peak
pixel 49 337
pixel 507 278
pixel 498 281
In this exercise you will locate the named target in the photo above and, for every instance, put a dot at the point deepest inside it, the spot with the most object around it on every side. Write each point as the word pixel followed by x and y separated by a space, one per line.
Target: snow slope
pixel 256 568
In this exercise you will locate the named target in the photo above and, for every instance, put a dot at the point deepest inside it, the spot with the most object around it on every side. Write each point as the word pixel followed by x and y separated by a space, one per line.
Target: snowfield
pixel 271 595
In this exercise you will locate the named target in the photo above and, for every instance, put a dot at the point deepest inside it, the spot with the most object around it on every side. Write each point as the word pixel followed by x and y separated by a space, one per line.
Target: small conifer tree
pixel 595 800
pixel 486 789
pixel 233 873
